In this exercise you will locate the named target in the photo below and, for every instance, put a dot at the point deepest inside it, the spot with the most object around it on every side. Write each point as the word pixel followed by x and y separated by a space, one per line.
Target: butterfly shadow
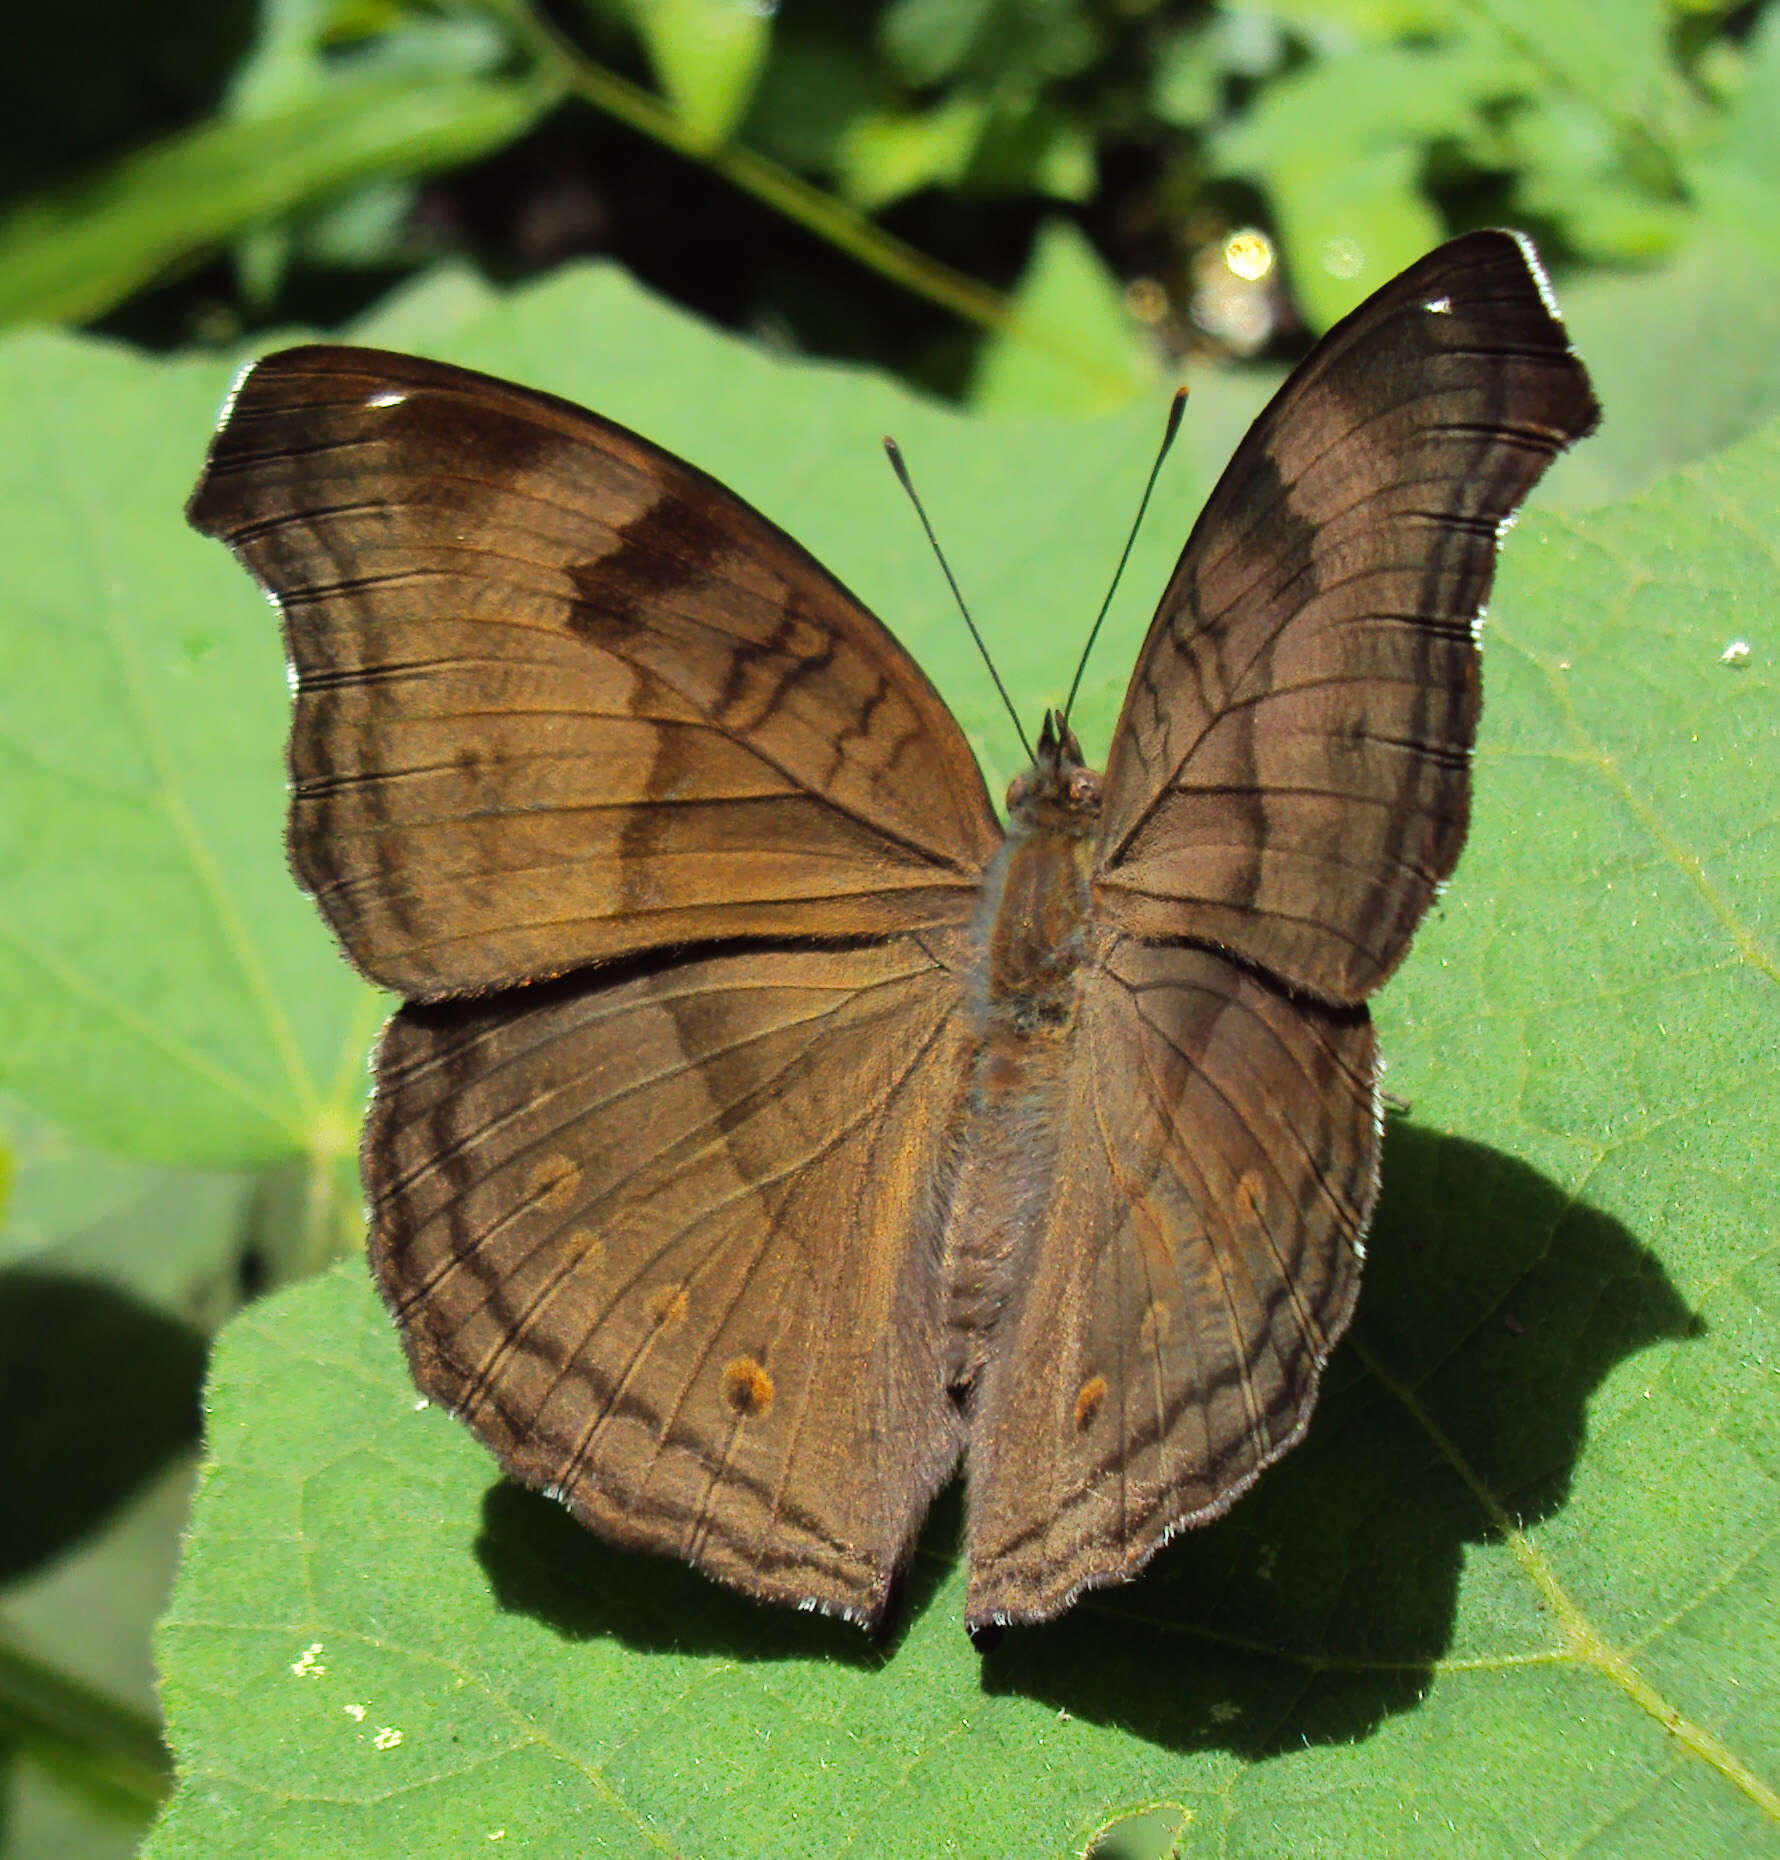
pixel 1322 1603
pixel 1494 1306
pixel 541 1563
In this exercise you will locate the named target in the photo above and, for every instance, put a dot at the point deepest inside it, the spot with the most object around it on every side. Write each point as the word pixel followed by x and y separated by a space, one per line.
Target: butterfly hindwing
pixel 659 1239
pixel 1216 1161
pixel 560 696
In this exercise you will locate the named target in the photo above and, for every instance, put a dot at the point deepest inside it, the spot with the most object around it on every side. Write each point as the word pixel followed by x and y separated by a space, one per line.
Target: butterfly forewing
pixel 561 697
pixel 1290 776
pixel 666 1242
pixel 1216 1165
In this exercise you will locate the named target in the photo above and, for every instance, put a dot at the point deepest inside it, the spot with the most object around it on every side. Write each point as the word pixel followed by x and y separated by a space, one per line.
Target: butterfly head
pixel 1058 791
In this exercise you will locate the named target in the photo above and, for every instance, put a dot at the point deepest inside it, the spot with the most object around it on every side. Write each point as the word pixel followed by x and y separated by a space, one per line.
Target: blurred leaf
pixel 1582 106
pixel 83 80
pixel 424 311
pixel 1339 148
pixel 1187 85
pixel 1517 1584
pixel 75 253
pixel 883 156
pixel 708 55
pixel 932 39
pixel 1250 43
pixel 1616 56
pixel 286 63
pixel 1013 47
pixel 1366 21
pixel 366 228
pixel 76 1355
pixel 173 1239
pixel 1066 288
pixel 109 1274
pixel 1022 147
pixel 1570 175
pixel 104 1269
pixel 1737 180
pixel 1033 149
pixel 434 39
pixel 816 82
pixel 78 1712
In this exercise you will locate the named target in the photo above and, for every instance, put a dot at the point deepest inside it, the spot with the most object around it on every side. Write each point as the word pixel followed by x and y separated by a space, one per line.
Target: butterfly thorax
pixel 1034 923
pixel 1035 895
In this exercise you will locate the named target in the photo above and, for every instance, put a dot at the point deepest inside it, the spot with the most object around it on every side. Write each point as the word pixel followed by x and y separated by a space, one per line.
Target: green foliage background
pixel 1514 1594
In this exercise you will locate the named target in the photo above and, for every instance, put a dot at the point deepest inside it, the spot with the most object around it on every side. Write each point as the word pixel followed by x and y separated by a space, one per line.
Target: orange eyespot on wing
pixel 747 1387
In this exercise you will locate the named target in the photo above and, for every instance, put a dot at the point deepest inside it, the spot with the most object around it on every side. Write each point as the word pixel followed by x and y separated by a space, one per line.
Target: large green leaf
pixel 163 989
pixel 1513 1594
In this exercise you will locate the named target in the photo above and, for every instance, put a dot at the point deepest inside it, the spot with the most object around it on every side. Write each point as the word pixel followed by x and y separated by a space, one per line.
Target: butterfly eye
pixel 1084 789
pixel 1018 789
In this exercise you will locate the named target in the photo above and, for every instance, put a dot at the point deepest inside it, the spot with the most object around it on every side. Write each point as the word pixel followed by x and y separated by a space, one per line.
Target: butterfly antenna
pixel 1176 408
pixel 902 473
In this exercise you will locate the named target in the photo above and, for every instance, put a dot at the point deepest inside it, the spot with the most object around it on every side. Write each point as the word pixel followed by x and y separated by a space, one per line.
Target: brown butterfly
pixel 767 1127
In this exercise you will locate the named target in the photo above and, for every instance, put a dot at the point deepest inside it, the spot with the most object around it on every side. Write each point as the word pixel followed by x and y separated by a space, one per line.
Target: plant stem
pixel 829 219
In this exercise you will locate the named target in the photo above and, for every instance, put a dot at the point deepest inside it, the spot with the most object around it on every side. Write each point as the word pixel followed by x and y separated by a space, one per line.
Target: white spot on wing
pixel 1506 524
pixel 390 397
pixel 1541 283
pixel 1438 306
